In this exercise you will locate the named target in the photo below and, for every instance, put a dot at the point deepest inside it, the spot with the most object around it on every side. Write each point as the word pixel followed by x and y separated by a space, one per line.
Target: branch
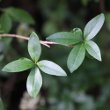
pixel 45 43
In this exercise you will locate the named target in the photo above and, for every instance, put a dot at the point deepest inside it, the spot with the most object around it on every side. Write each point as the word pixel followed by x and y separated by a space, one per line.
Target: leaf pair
pixel 90 31
pixel 34 49
pixel 13 14
pixel 34 80
pixel 82 42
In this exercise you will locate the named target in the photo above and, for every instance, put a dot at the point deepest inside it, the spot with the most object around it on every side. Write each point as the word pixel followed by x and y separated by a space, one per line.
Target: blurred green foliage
pixel 1 105
pixel 88 88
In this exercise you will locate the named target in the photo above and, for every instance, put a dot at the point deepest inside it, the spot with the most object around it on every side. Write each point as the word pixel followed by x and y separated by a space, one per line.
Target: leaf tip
pixel 102 14
pixel 32 34
pixel 5 69
pixel 99 59
pixel 64 74
pixel 71 70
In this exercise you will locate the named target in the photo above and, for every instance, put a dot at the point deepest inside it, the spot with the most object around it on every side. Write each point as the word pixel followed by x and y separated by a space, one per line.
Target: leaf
pixel 67 38
pixel 78 33
pixel 76 57
pixel 34 47
pixel 1 105
pixel 50 27
pixel 34 82
pixel 85 2
pixel 108 20
pixel 93 50
pixel 20 15
pixel 93 26
pixel 18 65
pixel 51 68
pixel 5 23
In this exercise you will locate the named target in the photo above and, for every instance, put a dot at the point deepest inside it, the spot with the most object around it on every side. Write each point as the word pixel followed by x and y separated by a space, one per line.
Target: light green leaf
pixel 34 47
pixel 67 38
pixel 18 65
pixel 77 31
pixel 20 15
pixel 93 26
pixel 78 34
pixel 76 57
pixel 5 23
pixel 93 50
pixel 34 82
pixel 51 68
pixel 1 105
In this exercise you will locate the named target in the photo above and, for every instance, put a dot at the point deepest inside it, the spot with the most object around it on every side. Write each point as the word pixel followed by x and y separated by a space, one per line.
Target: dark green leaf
pixel 18 65
pixel 76 57
pixel 93 50
pixel 1 105
pixel 34 47
pixel 51 68
pixel 93 26
pixel 85 2
pixel 34 82
pixel 67 38
pixel 20 15
pixel 108 20
pixel 50 27
pixel 5 23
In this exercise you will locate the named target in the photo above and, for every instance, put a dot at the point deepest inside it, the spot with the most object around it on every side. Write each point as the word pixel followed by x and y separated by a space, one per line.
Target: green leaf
pixel 85 2
pixel 51 68
pixel 93 26
pixel 18 65
pixel 20 15
pixel 5 23
pixel 76 57
pixel 34 82
pixel 93 50
pixel 78 32
pixel 34 47
pixel 108 20
pixel 67 38
pixel 1 105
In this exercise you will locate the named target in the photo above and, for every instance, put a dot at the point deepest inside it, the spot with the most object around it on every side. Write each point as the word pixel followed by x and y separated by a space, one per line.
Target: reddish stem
pixel 45 43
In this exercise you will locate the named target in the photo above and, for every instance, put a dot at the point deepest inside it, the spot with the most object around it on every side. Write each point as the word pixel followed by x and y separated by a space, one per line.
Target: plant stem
pixel 45 43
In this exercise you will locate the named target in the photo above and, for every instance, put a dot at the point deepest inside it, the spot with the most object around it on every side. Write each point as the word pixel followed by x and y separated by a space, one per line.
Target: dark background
pixel 88 88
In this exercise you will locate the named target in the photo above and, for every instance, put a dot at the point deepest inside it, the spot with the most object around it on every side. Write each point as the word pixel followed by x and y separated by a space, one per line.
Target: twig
pixel 45 43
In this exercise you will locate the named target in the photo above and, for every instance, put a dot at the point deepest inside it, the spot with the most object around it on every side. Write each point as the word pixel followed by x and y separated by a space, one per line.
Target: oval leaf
pixel 93 26
pixel 51 68
pixel 76 57
pixel 67 38
pixel 18 65
pixel 34 82
pixel 5 23
pixel 34 47
pixel 93 50
pixel 20 15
